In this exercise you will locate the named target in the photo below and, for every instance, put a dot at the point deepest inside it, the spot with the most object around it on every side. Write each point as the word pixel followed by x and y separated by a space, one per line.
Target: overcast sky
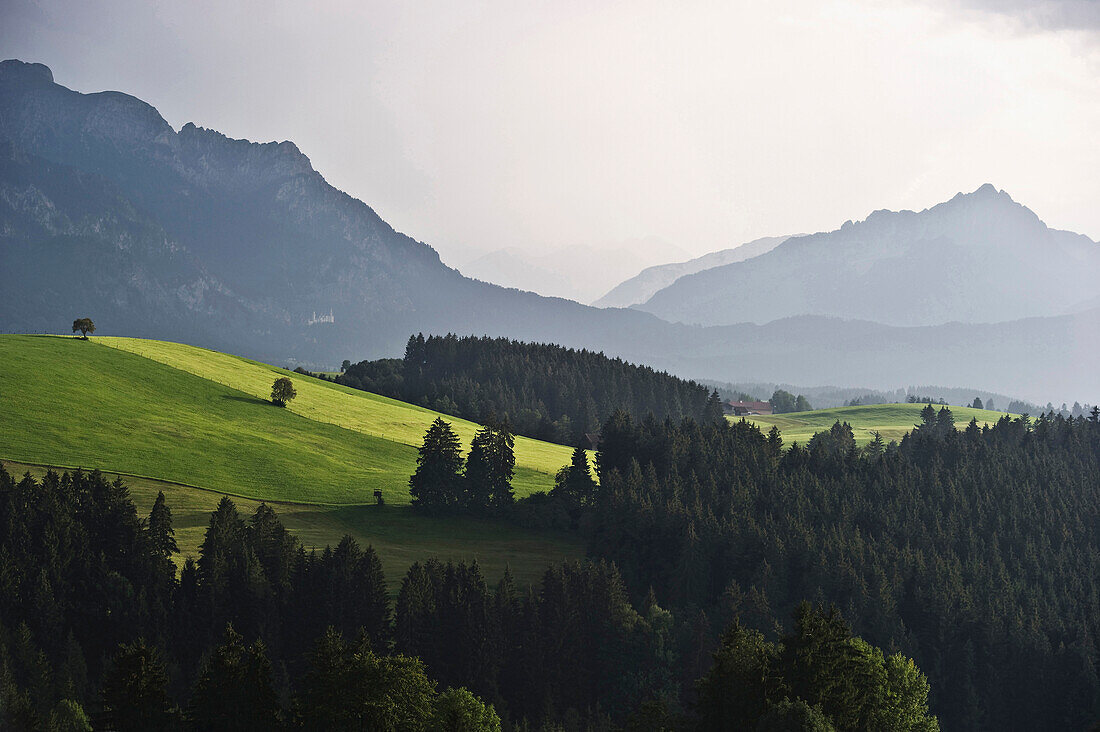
pixel 492 124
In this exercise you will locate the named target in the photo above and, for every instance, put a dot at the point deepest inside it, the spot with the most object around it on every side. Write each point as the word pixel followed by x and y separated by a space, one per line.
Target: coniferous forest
pixel 97 629
pixel 734 583
pixel 545 391
pixel 975 551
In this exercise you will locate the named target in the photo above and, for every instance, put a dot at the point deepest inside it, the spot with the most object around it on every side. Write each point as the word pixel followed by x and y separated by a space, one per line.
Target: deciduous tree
pixel 282 391
pixel 85 326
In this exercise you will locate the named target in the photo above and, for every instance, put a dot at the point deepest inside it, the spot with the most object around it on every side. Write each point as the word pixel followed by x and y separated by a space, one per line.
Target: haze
pixel 479 126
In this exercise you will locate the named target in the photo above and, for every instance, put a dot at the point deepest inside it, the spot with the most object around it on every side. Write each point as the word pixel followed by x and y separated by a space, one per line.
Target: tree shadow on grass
pixel 247 399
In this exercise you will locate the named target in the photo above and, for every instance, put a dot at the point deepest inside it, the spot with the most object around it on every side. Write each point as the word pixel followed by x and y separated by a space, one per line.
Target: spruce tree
pixel 160 528
pixel 713 411
pixel 235 690
pixel 502 465
pixel 135 689
pixel 574 482
pixel 478 479
pixel 436 484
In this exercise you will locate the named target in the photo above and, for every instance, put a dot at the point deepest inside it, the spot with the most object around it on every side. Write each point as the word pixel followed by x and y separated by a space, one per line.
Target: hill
pixel 892 421
pixel 199 417
pixel 650 280
pixel 196 424
pixel 978 258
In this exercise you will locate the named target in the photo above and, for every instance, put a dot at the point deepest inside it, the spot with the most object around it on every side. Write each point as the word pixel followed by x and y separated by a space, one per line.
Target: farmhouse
pixel 742 409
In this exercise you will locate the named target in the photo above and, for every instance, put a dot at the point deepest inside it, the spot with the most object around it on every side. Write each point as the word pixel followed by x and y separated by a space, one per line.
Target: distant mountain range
pixel 580 273
pixel 641 287
pixel 108 212
pixel 978 258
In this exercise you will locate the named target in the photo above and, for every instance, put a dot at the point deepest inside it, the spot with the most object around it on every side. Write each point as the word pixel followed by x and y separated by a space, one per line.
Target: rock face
pixel 649 281
pixel 227 243
pixel 978 258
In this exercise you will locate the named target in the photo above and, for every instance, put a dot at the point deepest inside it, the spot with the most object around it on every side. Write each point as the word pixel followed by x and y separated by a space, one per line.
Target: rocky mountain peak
pixel 21 71
pixel 218 155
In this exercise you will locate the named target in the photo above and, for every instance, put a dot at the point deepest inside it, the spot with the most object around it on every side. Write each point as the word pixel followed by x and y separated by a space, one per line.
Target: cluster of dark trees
pixel 975 550
pixel 444 483
pixel 917 399
pixel 783 402
pixel 544 391
pixel 97 629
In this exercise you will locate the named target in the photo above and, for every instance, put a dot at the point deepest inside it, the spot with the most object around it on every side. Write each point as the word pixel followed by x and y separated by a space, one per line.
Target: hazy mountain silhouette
pixel 107 212
pixel 978 258
pixel 641 287
pixel 282 243
pixel 580 273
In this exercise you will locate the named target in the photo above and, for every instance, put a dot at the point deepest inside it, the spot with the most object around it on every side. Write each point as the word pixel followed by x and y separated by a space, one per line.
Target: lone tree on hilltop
pixel 85 326
pixel 282 391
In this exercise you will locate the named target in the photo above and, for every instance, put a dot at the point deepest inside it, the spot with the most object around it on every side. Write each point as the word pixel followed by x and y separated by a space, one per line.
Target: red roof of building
pixel 754 406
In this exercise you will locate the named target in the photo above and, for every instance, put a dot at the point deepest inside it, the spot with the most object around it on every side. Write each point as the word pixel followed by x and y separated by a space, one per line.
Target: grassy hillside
pixel 892 421
pixel 198 417
pixel 196 424
pixel 349 408
pixel 399 535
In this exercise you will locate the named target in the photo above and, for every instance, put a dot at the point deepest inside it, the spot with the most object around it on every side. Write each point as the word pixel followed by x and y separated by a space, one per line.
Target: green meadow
pixel 197 425
pixel 202 418
pixel 892 421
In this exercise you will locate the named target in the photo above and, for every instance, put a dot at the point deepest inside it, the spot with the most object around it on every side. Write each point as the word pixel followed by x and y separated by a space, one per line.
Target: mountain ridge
pixel 646 283
pixel 232 245
pixel 978 257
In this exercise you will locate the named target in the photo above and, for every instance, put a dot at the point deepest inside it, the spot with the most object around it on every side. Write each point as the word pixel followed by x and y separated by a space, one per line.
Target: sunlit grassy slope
pixel 352 409
pixel 892 421
pixel 198 417
pixel 399 535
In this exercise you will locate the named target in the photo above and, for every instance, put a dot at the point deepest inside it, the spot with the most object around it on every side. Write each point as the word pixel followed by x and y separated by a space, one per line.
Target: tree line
pixel 976 550
pixel 545 391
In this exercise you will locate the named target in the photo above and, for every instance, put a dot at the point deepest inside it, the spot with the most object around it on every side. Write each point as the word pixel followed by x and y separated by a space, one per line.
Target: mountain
pixel 579 273
pixel 978 258
pixel 108 212
pixel 641 287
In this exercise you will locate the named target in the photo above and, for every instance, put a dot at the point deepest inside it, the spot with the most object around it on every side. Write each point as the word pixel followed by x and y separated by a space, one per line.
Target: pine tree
pixel 477 496
pixel 945 421
pixel 736 690
pixel 235 690
pixel 356 598
pixel 713 411
pixel 436 484
pixel 134 689
pixel 159 528
pixel 502 465
pixel 574 482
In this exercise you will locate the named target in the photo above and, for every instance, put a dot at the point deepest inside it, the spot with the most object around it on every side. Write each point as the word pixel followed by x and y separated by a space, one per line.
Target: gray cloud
pixel 1044 14
pixel 494 124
